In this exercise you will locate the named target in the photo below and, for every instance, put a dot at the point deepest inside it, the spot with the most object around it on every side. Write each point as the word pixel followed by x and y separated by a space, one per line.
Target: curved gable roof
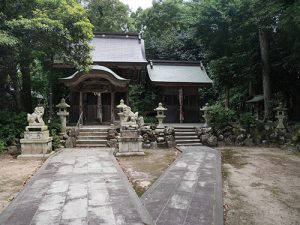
pixel 95 72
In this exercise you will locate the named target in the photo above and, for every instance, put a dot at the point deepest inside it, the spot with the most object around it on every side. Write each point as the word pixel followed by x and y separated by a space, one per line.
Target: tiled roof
pixel 118 47
pixel 178 72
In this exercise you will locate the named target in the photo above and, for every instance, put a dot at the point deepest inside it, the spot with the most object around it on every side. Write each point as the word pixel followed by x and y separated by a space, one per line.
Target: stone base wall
pixel 36 142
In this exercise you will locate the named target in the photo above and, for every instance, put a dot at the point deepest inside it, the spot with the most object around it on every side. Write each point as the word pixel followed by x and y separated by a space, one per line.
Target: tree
pixel 168 34
pixel 265 16
pixel 218 26
pixel 48 29
pixel 108 15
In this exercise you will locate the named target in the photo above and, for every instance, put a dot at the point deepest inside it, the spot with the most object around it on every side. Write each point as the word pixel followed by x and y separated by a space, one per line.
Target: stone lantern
pixel 63 113
pixel 281 116
pixel 205 115
pixel 121 108
pixel 160 115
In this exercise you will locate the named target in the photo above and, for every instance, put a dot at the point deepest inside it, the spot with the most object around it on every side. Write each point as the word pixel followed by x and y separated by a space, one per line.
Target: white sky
pixel 134 4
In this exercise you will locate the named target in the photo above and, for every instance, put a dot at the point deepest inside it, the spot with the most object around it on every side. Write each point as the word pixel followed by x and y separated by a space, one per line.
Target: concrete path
pixel 77 186
pixel 190 191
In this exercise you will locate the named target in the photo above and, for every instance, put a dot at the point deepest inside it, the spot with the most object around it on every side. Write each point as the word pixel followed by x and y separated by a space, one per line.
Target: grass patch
pixel 138 189
pixel 146 169
pixel 229 156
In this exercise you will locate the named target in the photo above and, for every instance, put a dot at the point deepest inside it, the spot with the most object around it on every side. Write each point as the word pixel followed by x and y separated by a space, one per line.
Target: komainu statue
pixel 129 115
pixel 36 118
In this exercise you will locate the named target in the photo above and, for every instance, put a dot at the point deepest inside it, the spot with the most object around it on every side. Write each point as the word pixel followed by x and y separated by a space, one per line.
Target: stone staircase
pixel 90 137
pixel 186 136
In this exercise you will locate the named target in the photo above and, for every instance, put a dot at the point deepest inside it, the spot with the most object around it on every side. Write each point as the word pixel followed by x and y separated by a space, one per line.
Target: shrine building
pixel 119 59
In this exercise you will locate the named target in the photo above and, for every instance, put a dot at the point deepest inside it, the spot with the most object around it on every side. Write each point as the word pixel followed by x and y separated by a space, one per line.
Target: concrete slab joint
pixel 87 186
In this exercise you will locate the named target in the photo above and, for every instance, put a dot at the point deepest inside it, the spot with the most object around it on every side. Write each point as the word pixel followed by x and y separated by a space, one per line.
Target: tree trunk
pixel 251 89
pixel 3 97
pixel 16 85
pixel 226 96
pixel 26 87
pixel 266 73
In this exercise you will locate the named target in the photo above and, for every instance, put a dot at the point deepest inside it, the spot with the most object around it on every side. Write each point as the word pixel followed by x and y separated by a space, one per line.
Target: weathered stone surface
pixel 170 139
pixel 36 141
pixel 212 141
pixel 204 139
pixel 189 192
pixel 240 139
pixel 77 186
pixel 249 141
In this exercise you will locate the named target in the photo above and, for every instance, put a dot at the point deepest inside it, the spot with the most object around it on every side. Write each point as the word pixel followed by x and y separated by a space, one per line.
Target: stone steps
pixel 98 134
pixel 92 137
pixel 190 144
pixel 186 136
pixel 188 133
pixel 90 145
pixel 93 129
pixel 87 141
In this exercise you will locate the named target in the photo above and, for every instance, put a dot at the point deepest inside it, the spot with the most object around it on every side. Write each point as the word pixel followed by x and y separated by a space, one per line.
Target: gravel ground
pixel 261 186
pixel 13 175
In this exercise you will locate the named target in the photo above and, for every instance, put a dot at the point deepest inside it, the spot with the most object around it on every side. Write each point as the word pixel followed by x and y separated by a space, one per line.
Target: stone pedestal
pixel 35 144
pixel 129 143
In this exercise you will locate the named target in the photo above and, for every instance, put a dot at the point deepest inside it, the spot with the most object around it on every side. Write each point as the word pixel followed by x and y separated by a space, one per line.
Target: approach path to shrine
pixel 77 186
pixel 87 186
pixel 190 191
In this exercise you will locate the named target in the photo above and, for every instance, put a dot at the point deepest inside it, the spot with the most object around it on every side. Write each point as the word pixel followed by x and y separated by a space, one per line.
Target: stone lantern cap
pixel 121 105
pixel 63 104
pixel 280 107
pixel 160 107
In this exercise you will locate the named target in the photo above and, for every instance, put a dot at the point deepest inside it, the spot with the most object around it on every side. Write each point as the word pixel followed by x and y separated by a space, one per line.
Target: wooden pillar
pixel 112 107
pixel 81 106
pixel 181 117
pixel 99 107
pixel 127 97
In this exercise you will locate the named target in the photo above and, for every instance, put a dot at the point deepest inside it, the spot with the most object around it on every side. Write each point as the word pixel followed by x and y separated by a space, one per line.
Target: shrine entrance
pixel 95 95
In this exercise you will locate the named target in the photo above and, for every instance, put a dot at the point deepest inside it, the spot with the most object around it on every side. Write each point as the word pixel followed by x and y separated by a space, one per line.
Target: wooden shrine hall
pixel 120 59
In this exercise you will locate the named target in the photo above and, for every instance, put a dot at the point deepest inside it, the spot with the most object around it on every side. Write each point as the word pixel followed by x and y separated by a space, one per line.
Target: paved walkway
pixel 87 186
pixel 77 186
pixel 190 191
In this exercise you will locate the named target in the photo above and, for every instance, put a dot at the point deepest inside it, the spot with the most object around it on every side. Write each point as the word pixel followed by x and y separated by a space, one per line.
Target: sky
pixel 134 4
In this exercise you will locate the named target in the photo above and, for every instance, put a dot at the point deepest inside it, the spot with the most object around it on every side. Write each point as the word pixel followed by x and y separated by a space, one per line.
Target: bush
pixel 150 120
pixel 56 141
pixel 12 126
pixel 2 146
pixel 219 117
pixel 247 120
pixel 55 127
pixel 142 100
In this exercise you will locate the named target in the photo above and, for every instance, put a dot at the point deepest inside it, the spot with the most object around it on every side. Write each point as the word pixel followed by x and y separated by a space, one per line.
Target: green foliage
pixel 42 30
pixel 55 142
pixel 12 126
pixel 247 120
pixel 168 34
pixel 55 129
pixel 219 117
pixel 150 119
pixel 2 145
pixel 108 15
pixel 142 100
